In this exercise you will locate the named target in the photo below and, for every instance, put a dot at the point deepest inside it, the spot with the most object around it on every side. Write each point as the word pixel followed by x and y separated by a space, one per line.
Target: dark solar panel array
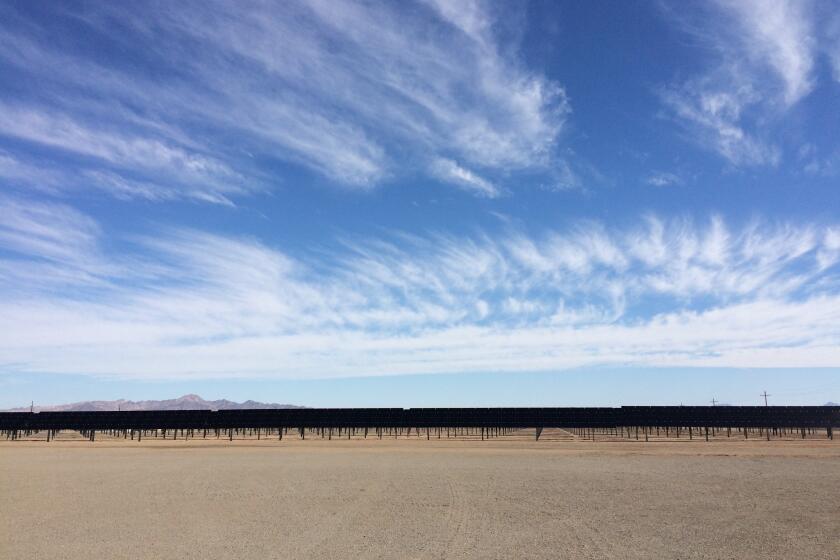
pixel 641 416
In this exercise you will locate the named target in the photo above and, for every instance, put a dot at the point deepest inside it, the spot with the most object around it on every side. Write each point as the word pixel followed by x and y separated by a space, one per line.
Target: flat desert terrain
pixel 412 498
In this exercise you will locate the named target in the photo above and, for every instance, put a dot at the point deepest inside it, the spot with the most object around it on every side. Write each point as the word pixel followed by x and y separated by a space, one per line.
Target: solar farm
pixel 633 422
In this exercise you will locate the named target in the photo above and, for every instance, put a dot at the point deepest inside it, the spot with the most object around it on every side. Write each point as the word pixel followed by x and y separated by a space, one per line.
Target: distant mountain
pixel 829 403
pixel 187 402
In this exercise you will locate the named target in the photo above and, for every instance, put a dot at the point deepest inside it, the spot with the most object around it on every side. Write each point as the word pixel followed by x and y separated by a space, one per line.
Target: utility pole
pixel 31 407
pixel 714 402
pixel 765 395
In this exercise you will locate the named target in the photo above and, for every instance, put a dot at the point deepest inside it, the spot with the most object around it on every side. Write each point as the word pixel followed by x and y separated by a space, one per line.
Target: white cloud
pixel 711 110
pixel 466 15
pixel 191 304
pixel 829 253
pixel 780 35
pixel 663 179
pixel 832 44
pixel 343 88
pixel 449 171
pixel 47 246
pixel 765 58
pixel 828 166
pixel 51 232
pixel 199 176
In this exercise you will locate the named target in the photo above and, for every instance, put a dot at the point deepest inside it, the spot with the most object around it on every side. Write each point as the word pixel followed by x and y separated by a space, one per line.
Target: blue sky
pixel 346 203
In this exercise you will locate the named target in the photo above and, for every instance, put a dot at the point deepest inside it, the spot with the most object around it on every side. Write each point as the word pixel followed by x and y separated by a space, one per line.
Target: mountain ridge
pixel 185 402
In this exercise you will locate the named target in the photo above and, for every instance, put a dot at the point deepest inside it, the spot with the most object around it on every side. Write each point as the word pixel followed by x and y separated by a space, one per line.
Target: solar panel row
pixel 719 416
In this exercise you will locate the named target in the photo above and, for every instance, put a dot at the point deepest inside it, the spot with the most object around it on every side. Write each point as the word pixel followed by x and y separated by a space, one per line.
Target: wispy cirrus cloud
pixel 780 36
pixel 186 303
pixel 764 56
pixel 201 176
pixel 344 89
pixel 832 44
pixel 663 179
pixel 449 171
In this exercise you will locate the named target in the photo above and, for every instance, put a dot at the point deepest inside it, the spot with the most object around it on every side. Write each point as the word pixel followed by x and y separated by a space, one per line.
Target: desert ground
pixel 511 497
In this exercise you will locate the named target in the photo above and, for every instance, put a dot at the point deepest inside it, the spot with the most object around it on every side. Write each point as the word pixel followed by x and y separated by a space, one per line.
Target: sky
pixel 431 203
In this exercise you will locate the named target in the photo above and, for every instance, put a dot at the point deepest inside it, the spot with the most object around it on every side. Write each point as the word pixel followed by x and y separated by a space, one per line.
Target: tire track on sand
pixel 456 526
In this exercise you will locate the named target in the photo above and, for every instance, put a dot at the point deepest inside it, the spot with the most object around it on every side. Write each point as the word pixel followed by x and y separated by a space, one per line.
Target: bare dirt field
pixel 412 498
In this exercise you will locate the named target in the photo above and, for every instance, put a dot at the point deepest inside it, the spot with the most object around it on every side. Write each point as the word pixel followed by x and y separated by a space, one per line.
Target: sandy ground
pixel 504 498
